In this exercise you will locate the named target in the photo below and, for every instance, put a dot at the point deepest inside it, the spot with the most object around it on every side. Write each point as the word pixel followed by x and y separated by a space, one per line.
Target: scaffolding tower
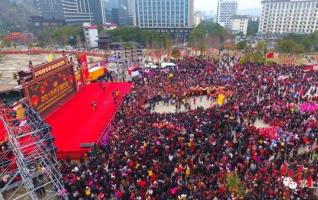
pixel 28 163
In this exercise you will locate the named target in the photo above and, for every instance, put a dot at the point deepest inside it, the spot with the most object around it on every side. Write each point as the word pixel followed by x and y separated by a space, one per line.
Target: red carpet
pixel 75 122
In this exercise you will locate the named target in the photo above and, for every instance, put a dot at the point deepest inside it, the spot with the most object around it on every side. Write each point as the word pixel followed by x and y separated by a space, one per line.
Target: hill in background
pixel 14 14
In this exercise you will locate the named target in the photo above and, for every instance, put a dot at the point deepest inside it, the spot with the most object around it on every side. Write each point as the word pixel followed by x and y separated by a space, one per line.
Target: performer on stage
pixel 93 105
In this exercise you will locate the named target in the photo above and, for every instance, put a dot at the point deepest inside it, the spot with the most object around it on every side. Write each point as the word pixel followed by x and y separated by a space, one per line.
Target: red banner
pixel 82 60
pixel 46 94
pixel 52 83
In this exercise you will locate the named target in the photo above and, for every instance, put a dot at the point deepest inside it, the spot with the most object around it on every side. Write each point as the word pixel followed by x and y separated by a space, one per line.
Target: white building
pixel 239 24
pixel 91 35
pixel 289 16
pixel 226 9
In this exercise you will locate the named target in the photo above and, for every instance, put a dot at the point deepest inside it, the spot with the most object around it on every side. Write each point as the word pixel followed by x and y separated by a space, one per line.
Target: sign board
pixel 52 84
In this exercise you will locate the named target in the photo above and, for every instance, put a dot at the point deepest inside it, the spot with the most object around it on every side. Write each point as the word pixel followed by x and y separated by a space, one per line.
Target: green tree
pixel 245 59
pixel 258 57
pixel 62 35
pixel 208 34
pixel 307 44
pixel 167 44
pixel 175 53
pixel 299 48
pixel 252 28
pixel 298 43
pixel 234 184
pixel 262 47
pixel 242 45
pixel 147 38
pixel 286 46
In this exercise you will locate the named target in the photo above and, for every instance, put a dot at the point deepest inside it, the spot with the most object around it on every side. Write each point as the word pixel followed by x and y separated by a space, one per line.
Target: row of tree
pixel 66 35
pixel 14 14
pixel 298 43
pixel 253 55
pixel 208 35
pixel 148 38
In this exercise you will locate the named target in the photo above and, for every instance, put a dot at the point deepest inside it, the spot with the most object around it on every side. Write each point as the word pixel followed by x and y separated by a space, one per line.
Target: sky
pixel 211 5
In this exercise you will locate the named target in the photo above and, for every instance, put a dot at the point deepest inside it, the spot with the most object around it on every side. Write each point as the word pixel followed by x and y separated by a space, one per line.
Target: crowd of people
pixel 192 154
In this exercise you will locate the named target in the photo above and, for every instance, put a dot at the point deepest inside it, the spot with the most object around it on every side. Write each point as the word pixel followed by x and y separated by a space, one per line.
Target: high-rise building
pixel 130 11
pixel 239 24
pixel 289 16
pixel 166 16
pixel 226 10
pixel 117 12
pixel 72 11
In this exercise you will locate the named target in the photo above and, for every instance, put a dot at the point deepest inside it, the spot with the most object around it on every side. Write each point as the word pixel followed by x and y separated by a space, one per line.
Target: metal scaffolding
pixel 28 164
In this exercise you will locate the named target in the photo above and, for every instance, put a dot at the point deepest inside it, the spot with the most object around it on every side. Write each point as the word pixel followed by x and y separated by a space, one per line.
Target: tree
pixel 147 38
pixel 262 47
pixel 167 43
pixel 299 48
pixel 63 34
pixel 242 45
pixel 252 28
pixel 14 15
pixel 258 58
pixel 298 43
pixel 175 53
pixel 307 44
pixel 245 59
pixel 208 34
pixel 286 46
pixel 44 38
pixel 234 184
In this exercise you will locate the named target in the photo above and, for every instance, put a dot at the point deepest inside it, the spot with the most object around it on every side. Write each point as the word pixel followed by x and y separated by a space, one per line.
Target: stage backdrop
pixel 52 84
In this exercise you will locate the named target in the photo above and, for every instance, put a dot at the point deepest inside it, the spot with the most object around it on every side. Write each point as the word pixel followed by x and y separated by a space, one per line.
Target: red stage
pixel 75 122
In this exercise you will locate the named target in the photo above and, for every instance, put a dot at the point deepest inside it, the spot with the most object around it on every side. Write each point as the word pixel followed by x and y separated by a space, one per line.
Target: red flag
pixel 82 61
pixel 283 169
pixel 270 55
pixel 299 173
pixel 310 182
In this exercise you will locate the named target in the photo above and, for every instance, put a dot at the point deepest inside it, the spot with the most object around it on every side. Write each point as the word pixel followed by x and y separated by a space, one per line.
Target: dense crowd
pixel 190 155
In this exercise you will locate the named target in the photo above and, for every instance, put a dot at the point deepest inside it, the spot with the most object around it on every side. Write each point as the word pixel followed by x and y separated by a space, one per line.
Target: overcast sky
pixel 211 5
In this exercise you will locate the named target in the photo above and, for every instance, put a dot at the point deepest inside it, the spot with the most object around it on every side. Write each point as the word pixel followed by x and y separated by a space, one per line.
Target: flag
pixel 299 174
pixel 283 169
pixel 310 182
pixel 82 61
pixel 270 55
pixel 220 99
pixel 170 76
pixel 50 58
